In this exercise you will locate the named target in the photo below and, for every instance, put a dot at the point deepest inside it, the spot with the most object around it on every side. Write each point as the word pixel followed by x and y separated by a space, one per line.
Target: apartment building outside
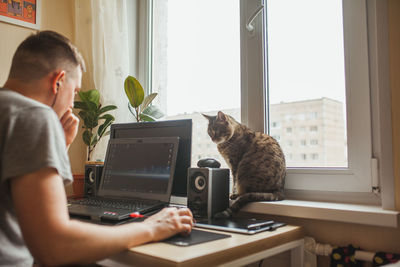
pixel 310 132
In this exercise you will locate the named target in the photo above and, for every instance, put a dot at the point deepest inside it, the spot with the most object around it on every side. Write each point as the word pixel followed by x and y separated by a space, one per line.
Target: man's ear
pixel 57 79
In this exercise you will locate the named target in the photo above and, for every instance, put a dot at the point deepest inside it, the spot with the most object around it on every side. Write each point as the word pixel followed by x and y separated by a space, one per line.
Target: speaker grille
pixel 92 179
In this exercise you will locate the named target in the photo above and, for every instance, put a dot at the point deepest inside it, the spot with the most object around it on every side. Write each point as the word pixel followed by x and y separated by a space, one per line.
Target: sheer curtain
pixel 103 35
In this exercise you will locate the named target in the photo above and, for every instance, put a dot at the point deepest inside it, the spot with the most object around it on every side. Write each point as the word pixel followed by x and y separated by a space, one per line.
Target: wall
pixel 394 42
pixel 15 34
pixel 56 15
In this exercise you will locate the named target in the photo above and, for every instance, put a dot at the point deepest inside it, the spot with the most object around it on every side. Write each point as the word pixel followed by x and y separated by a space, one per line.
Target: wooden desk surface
pixel 209 253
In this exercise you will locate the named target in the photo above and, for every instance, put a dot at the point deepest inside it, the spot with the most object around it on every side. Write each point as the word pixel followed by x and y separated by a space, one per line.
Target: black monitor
pixel 180 128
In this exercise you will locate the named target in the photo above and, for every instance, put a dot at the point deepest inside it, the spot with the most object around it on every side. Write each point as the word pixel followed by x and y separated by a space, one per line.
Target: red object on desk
pixel 136 215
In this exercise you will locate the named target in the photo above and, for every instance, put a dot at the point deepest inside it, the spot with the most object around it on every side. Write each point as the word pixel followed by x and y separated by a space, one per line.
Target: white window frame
pixel 366 64
pixel 355 183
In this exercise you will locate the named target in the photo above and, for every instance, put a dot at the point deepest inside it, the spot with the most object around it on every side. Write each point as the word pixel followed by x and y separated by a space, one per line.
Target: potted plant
pixel 139 105
pixel 91 113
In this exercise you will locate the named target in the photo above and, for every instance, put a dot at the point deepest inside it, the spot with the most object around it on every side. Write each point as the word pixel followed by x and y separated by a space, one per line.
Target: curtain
pixel 102 35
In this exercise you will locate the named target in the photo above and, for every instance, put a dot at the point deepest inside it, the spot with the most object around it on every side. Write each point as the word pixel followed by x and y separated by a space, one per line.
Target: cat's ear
pixel 221 116
pixel 206 116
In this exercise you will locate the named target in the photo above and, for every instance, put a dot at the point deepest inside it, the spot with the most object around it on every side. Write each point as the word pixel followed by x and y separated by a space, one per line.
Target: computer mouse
pixel 209 163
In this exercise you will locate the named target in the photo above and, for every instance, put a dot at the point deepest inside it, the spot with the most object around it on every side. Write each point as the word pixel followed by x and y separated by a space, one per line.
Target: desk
pixel 236 250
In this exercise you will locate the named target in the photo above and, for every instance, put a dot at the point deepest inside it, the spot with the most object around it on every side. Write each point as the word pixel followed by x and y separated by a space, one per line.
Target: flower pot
pixel 77 185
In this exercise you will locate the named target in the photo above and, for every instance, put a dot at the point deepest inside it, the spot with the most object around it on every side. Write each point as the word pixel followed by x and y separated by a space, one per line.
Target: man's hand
pixel 70 124
pixel 169 222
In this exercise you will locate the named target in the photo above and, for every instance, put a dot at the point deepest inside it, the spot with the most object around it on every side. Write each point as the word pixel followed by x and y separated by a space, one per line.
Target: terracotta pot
pixel 77 185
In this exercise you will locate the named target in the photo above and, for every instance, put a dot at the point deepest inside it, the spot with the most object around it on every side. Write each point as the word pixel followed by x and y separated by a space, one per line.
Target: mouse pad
pixel 195 237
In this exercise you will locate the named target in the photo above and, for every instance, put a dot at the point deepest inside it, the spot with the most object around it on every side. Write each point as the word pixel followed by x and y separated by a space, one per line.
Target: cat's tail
pixel 242 200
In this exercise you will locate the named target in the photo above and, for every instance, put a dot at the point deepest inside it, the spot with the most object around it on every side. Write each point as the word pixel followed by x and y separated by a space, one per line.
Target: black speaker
pixel 92 179
pixel 208 191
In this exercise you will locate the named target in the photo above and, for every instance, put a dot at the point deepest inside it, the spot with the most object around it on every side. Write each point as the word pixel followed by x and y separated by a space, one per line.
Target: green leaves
pixel 91 113
pixel 134 91
pixel 138 105
pixel 89 97
pixel 151 113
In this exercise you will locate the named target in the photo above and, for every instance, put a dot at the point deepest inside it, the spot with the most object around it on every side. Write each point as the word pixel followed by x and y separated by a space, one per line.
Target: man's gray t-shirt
pixel 31 138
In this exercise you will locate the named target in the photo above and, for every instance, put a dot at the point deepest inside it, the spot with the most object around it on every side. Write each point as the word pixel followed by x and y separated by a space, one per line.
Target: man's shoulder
pixel 13 103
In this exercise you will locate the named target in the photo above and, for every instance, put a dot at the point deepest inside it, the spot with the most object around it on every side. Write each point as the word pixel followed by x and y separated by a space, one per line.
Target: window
pixel 275 124
pixel 319 38
pixel 314 142
pixel 195 66
pixel 267 73
pixel 277 137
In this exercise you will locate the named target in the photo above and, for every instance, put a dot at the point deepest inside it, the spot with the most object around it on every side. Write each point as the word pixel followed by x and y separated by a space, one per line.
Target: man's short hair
pixel 42 53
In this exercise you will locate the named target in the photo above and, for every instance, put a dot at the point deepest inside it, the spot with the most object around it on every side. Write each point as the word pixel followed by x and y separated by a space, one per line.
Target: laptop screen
pixel 139 168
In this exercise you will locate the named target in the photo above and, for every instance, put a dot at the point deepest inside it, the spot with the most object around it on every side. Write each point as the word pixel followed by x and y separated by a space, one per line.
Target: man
pixel 36 128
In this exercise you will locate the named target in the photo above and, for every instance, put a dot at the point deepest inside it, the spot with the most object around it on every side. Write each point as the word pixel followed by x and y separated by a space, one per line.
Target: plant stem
pixel 137 114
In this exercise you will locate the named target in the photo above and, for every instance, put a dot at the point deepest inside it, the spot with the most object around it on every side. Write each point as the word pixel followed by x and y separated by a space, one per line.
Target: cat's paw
pixel 222 215
pixel 233 196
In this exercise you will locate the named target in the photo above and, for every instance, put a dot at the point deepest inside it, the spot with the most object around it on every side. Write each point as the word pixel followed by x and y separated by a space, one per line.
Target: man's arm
pixel 54 239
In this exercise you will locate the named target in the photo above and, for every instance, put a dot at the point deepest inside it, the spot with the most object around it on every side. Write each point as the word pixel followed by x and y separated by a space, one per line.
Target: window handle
pixel 249 25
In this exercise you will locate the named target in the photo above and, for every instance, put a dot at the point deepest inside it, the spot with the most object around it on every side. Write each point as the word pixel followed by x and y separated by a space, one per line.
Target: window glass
pixel 196 64
pixel 306 81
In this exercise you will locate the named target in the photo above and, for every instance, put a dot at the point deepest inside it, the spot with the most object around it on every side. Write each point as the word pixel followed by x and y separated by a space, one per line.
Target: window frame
pixel 301 183
pixel 254 101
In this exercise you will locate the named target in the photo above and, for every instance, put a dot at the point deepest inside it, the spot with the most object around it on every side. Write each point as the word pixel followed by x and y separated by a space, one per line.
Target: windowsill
pixel 348 213
pixel 339 212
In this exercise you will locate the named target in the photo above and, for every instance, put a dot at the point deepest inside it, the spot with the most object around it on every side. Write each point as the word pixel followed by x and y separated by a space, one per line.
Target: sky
pixel 305 53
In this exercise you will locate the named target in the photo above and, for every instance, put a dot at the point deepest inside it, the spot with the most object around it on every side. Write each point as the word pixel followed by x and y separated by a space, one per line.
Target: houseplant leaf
pixel 106 108
pixel 80 105
pixel 90 96
pixel 90 112
pixel 94 140
pixel 145 117
pixel 102 128
pixel 147 100
pixel 107 117
pixel 134 91
pixel 153 111
pixel 90 119
pixel 87 136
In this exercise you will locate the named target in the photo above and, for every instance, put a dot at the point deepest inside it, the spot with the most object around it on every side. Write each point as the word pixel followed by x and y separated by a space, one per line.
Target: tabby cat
pixel 256 160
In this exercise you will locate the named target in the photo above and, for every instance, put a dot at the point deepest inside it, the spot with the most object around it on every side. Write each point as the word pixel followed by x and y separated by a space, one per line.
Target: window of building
pixel 275 124
pixel 276 137
pixel 314 142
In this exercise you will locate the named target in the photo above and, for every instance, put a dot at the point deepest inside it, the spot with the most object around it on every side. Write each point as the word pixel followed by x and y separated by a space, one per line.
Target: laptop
pixel 137 179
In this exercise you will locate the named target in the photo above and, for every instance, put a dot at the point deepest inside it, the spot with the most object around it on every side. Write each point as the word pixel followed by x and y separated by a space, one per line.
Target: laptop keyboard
pixel 112 203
